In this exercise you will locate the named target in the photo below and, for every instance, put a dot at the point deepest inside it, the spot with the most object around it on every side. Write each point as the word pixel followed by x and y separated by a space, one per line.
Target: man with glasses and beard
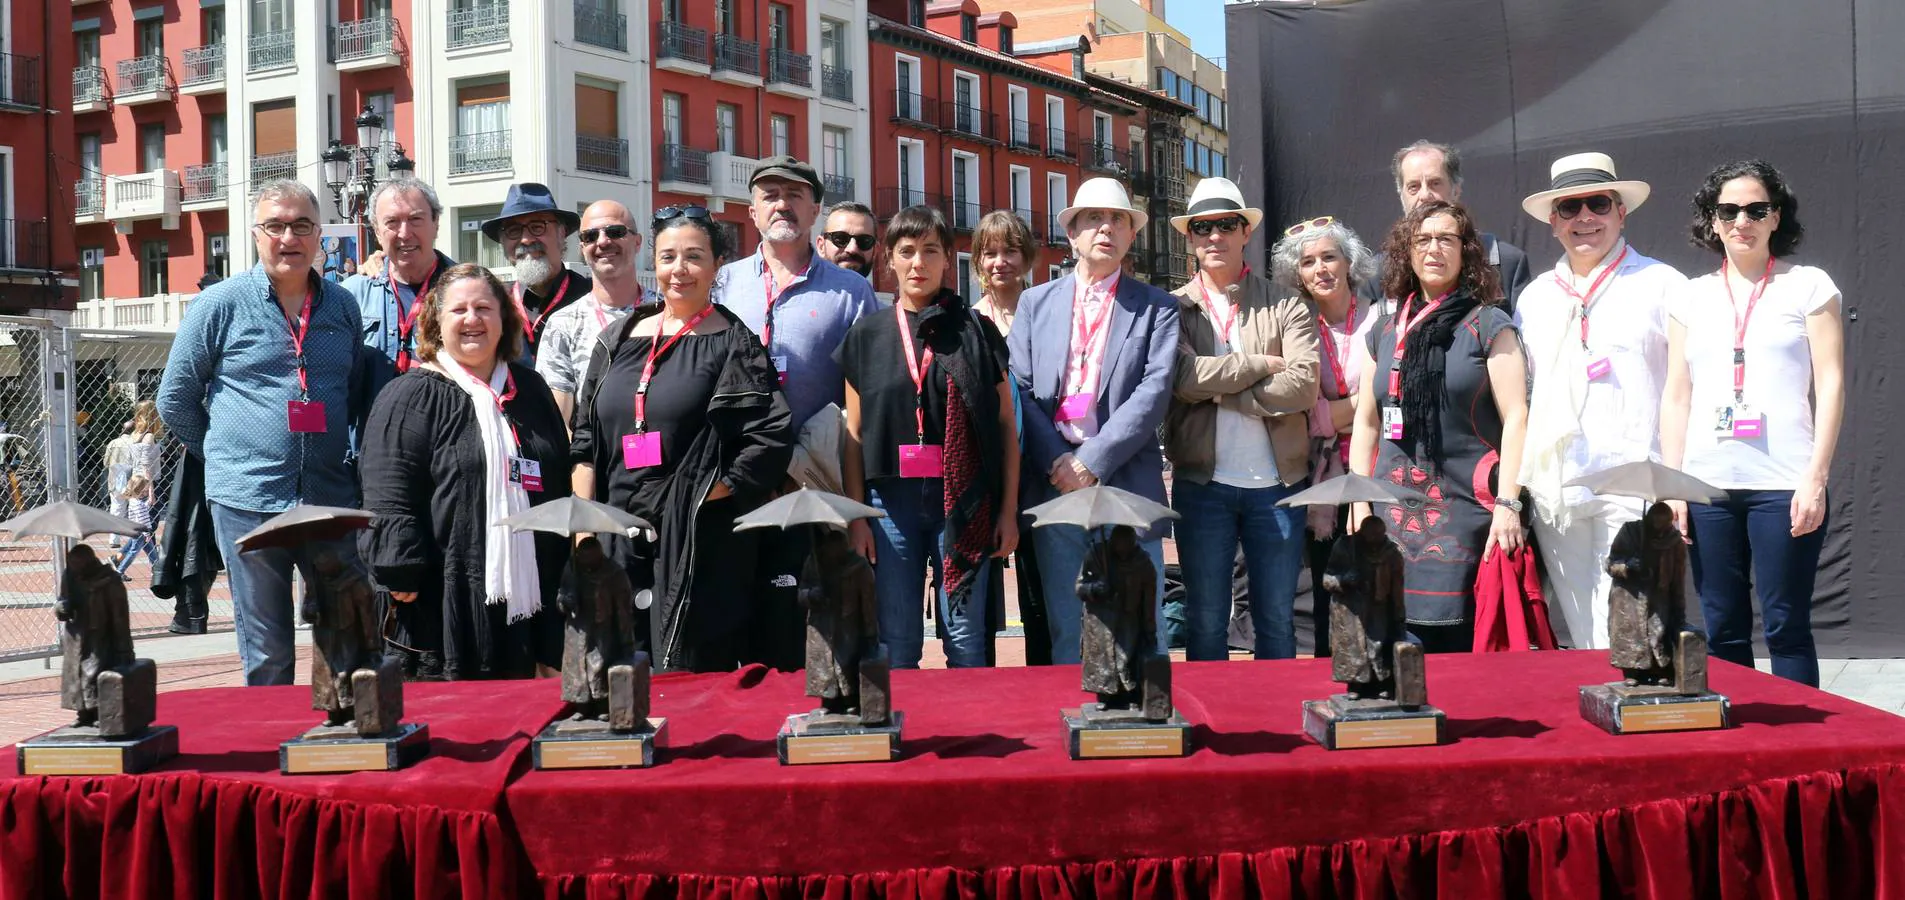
pixel 611 246
pixel 800 305
pixel 848 238
pixel 533 231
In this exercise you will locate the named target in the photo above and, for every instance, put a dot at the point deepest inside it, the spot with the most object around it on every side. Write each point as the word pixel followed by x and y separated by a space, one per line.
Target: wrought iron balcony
pixel 478 24
pixel 1024 137
pixel 204 66
pixel 24 245
pixel 836 83
pixel 270 50
pixel 89 89
pixel 366 42
pixel 1107 158
pixel 890 200
pixel 601 155
pixel 1055 235
pixel 964 213
pixel 1061 144
pixel 684 45
pixel 685 165
pixel 20 81
pixel 838 187
pixel 790 68
pixel 142 78
pixel 271 166
pixel 486 151
pixel 736 56
pixel 203 184
pixel 911 108
pixel 601 24
pixel 89 197
pixel 968 121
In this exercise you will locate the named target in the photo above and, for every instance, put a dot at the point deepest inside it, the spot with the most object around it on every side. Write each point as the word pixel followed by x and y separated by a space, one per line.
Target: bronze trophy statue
pixel 354 683
pixel 1663 664
pixel 1386 698
pixel 847 666
pixel 1121 661
pixel 605 680
pixel 113 695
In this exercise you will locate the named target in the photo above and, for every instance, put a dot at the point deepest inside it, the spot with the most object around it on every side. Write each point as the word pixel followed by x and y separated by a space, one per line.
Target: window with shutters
pixel 274 127
pixel 597 108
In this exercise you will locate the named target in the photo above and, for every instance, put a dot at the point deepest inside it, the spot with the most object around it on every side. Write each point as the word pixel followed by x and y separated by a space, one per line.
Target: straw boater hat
pixel 1580 174
pixel 1215 197
pixel 1102 193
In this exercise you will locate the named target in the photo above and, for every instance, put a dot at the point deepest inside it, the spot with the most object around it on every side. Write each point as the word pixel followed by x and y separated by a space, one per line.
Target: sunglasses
pixel 840 240
pixel 1599 204
pixel 612 232
pixel 1300 227
pixel 1228 224
pixel 1727 212
pixel 677 212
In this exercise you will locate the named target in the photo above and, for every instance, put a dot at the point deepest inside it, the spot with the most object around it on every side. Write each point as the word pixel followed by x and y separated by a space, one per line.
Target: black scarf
pixel 1423 367
pixel 960 342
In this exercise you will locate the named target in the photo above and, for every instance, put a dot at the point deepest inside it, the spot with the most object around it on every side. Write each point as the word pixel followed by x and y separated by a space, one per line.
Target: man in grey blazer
pixel 1093 357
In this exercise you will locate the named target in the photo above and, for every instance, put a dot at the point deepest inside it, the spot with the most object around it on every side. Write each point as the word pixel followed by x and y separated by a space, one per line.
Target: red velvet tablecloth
pixel 219 821
pixel 1804 798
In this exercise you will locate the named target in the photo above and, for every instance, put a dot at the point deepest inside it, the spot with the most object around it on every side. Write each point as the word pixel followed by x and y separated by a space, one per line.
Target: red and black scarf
pixel 972 475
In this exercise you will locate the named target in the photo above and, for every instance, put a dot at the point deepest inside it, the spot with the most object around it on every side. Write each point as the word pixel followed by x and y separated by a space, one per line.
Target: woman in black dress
pixel 453 446
pixel 681 422
pixel 1443 412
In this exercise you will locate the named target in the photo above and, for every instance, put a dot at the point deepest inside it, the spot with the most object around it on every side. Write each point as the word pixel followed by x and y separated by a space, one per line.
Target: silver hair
pixel 1451 161
pixel 407 183
pixel 282 189
pixel 1288 251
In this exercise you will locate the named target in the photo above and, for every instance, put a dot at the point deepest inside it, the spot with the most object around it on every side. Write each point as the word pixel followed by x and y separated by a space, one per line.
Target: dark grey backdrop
pixel 1320 97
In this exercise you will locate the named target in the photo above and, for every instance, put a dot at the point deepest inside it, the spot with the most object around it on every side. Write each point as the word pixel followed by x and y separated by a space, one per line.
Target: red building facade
pixel 36 235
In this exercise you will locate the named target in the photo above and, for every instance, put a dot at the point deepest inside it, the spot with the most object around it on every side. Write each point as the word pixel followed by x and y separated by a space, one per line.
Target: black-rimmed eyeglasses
pixel 276 229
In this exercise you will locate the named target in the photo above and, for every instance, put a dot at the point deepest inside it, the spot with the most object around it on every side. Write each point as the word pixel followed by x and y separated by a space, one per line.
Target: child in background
pixel 138 496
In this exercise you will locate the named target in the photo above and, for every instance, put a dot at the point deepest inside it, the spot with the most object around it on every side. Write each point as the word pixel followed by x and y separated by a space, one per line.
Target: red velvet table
pixel 1806 797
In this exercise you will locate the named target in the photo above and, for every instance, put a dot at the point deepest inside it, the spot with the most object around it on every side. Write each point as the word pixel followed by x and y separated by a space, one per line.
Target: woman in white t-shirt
pixel 1323 261
pixel 1755 393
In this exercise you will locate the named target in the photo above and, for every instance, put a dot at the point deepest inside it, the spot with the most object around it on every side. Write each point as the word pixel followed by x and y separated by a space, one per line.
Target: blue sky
pixel 1203 20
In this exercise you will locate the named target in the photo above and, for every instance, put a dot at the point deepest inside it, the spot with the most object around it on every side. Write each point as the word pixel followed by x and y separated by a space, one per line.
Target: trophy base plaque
pixel 1341 723
pixel 329 749
pixel 812 738
pixel 1095 733
pixel 81 751
pixel 1618 708
pixel 564 746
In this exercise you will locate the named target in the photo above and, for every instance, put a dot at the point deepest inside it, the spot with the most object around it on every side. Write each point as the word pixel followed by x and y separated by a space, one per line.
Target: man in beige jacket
pixel 1237 433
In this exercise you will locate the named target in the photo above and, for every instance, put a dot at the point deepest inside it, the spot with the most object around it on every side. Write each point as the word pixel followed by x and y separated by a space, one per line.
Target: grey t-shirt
pixel 568 337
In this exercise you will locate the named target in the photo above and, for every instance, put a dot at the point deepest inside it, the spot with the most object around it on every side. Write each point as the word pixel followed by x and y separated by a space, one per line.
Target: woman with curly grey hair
pixel 1326 263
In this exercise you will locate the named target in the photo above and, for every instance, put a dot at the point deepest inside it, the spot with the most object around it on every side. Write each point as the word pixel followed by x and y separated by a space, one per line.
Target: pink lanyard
pixel 1338 364
pixel 917 368
pixel 529 327
pixel 509 393
pixel 1403 324
pixel 774 297
pixel 655 350
pixel 1739 324
pixel 1223 323
pixel 406 323
pixel 1587 300
pixel 299 328
pixel 1084 333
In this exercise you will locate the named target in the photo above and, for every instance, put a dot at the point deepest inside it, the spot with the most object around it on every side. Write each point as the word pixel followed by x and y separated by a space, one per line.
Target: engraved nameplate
pixel 1701 716
pixel 1386 733
pixel 72 761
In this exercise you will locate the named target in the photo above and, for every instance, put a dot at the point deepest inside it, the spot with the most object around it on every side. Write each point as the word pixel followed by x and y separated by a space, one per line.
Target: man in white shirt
pixel 1596 335
pixel 611 245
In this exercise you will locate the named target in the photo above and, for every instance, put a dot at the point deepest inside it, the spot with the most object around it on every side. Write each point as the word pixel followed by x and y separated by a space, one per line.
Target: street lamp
pixel 351 173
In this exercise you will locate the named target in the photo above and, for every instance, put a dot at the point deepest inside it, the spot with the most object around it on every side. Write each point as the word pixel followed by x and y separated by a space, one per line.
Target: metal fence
pixel 65 395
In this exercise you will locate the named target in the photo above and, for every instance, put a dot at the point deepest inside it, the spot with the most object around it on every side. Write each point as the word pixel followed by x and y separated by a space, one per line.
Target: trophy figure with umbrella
pixel 847 667
pixel 113 695
pixel 1386 701
pixel 357 686
pixel 1663 663
pixel 1121 661
pixel 605 680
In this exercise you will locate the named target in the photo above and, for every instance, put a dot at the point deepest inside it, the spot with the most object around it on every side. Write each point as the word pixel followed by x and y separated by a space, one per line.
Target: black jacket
pixel 189 548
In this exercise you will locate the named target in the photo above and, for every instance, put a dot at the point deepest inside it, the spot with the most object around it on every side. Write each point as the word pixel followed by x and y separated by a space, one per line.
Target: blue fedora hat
pixel 525 199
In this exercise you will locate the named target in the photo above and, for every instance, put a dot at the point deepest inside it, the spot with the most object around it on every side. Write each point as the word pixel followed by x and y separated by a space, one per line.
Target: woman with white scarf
pixel 460 442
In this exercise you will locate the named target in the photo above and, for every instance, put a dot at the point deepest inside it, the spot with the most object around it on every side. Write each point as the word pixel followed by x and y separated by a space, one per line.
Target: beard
pixel 852 262
pixel 780 231
pixel 534 272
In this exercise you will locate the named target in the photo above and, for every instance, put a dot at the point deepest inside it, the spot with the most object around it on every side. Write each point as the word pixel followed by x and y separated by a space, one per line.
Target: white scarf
pixel 1554 413
pixel 509 557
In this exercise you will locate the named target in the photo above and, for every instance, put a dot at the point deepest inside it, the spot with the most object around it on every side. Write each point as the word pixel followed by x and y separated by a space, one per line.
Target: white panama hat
pixel 1216 196
pixel 1102 193
pixel 1580 174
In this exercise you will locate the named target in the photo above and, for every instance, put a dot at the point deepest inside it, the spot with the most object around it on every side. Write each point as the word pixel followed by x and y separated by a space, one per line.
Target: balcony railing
pixel 887 202
pixel 141 75
pixel 478 24
pixel 788 67
pixel 911 107
pixel 1055 233
pixel 964 213
pixel 683 42
pixel 1107 158
pixel 1024 136
pixel 89 84
pixel 199 184
pixel 601 155
pixel 732 54
pixel 486 151
pixel 970 121
pixel 89 197
pixel 601 25
pixel 836 83
pixel 838 187
pixel 1061 144
pixel 24 245
pixel 203 65
pixel 364 39
pixel 270 50
pixel 684 164
pixel 270 166
pixel 20 80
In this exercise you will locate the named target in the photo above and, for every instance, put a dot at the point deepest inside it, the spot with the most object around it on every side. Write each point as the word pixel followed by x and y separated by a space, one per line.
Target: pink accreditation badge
pixel 1392 423
pixel 526 472
pixel 780 368
pixel 305 416
pixel 639 451
pixel 1747 424
pixel 1074 408
pixel 921 461
pixel 1599 368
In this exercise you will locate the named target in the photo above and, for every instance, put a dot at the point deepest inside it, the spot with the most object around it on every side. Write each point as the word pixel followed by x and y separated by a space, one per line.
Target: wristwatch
pixel 1513 504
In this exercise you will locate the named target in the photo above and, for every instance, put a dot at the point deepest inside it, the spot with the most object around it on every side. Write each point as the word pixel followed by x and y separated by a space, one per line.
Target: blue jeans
pixel 1061 555
pixel 263 613
pixel 904 544
pixel 1745 543
pixel 133 546
pixel 1215 517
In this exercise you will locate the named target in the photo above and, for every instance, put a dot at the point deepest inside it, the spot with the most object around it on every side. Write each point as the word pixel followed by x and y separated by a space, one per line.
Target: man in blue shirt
pixel 404 213
pixel 260 385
